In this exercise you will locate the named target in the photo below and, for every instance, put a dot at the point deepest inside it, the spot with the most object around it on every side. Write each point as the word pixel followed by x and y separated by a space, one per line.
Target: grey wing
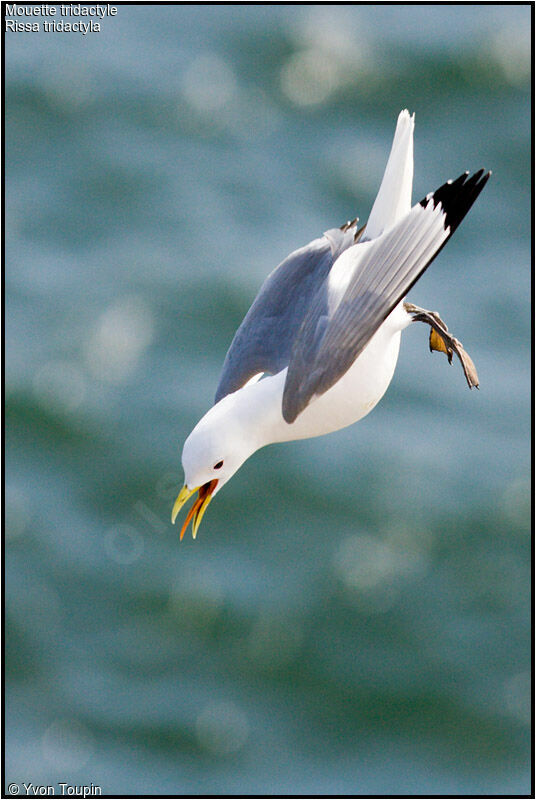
pixel 263 342
pixel 335 331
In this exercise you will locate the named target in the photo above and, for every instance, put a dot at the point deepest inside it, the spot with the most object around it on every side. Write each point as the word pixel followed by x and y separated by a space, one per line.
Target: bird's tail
pixel 394 198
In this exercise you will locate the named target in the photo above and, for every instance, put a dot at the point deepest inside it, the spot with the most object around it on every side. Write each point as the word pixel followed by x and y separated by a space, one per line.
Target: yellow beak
pixel 184 494
pixel 198 508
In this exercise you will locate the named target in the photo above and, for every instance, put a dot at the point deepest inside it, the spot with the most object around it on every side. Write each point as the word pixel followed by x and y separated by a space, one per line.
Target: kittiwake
pixel 324 331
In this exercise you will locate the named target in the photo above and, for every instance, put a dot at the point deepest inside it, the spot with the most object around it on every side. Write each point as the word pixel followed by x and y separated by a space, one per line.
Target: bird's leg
pixel 443 341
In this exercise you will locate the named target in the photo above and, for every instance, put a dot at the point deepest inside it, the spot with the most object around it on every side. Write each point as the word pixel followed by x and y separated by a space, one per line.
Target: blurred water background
pixel 354 616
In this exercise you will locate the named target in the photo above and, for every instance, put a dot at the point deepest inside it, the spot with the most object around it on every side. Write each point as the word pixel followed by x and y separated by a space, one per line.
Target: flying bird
pixel 318 347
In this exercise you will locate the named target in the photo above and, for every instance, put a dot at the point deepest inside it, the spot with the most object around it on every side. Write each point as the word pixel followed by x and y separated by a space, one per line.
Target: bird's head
pixel 216 448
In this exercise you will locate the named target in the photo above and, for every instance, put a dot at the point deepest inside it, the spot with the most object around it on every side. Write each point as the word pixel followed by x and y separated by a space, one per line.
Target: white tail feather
pixel 394 198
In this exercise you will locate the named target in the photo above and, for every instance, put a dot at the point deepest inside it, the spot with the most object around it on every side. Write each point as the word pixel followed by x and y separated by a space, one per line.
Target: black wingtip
pixel 457 197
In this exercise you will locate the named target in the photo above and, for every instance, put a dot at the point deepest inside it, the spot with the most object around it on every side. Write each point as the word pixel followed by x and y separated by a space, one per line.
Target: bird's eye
pixel 219 465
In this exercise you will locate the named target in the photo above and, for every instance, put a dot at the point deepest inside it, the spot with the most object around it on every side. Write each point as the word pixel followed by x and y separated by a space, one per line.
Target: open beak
pixel 199 507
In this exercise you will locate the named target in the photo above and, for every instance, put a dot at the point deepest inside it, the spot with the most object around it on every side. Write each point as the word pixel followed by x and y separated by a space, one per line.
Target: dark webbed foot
pixel 443 341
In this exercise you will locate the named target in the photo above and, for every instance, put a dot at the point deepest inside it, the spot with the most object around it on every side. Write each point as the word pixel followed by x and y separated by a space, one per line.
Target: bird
pixel 318 347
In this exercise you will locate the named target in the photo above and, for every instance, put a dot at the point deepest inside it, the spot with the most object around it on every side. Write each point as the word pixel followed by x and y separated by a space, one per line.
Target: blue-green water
pixel 354 616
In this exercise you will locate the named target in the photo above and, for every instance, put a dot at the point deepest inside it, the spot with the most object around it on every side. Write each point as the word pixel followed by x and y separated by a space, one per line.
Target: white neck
pixel 256 409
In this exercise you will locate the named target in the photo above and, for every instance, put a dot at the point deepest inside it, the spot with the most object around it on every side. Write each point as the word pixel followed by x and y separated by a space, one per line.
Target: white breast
pixel 352 397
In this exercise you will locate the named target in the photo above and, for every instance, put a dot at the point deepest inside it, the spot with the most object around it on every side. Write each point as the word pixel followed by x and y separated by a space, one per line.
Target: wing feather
pixel 263 342
pixel 384 270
